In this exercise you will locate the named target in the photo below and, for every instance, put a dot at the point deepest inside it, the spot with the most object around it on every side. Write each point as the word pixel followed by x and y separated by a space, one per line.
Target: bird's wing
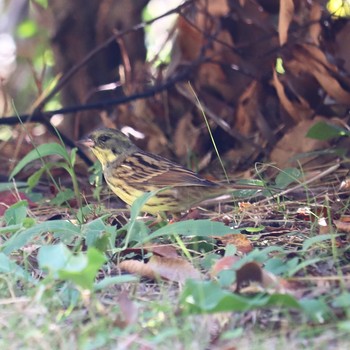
pixel 161 172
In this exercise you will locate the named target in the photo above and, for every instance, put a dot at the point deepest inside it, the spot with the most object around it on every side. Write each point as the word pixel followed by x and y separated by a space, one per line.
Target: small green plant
pixel 68 163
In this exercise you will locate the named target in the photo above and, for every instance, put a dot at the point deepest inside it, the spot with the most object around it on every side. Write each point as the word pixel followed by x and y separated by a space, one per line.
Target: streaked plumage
pixel 130 172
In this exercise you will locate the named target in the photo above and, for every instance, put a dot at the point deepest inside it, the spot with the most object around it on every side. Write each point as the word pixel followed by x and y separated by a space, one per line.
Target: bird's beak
pixel 87 142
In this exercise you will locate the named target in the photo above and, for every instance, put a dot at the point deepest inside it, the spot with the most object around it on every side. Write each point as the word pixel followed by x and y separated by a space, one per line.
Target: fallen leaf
pixel 297 107
pixel 250 272
pixel 343 224
pixel 253 272
pixel 295 142
pixel 171 269
pixel 8 198
pixel 239 240
pixel 128 309
pixel 285 18
pixel 224 263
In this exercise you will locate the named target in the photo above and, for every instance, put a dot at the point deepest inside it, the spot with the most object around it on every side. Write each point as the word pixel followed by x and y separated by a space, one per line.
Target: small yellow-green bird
pixel 130 172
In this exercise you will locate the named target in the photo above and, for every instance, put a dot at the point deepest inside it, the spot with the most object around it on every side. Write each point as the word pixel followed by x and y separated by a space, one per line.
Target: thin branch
pixel 66 77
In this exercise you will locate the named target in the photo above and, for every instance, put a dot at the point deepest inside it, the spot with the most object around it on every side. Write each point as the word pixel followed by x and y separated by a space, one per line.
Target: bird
pixel 130 172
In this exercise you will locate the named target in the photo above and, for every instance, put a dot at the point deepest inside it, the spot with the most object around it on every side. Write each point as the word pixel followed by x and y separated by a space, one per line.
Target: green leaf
pixel 27 29
pixel 63 196
pixel 253 229
pixel 80 268
pixel 317 239
pixel 8 266
pixel 108 281
pixel 40 152
pixel 21 238
pixel 208 297
pixel 82 271
pixel 202 228
pixel 97 234
pixel 73 156
pixel 16 213
pixel 342 300
pixel 10 185
pixel 316 309
pixel 326 131
pixel 42 3
pixel 34 178
pixel 10 229
pixel 139 203
pixel 287 176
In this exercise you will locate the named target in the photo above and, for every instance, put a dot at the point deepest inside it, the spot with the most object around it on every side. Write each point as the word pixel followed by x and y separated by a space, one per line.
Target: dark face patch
pixel 113 140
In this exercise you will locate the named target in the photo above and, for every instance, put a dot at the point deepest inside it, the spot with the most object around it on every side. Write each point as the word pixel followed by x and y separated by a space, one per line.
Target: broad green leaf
pixel 34 178
pixel 10 228
pixel 108 281
pixel 287 176
pixel 27 29
pixel 302 265
pixel 16 213
pixel 208 297
pixel 97 234
pixel 21 238
pixel 202 228
pixel 137 231
pixel 83 268
pixel 80 268
pixel 316 309
pixel 253 229
pixel 39 152
pixel 54 257
pixel 43 3
pixel 10 267
pixel 63 196
pixel 73 156
pixel 342 300
pixel 326 131
pixel 10 185
pixel 139 203
pixel 317 239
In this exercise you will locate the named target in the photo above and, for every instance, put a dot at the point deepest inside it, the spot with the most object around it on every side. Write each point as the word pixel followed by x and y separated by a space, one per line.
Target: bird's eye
pixel 103 138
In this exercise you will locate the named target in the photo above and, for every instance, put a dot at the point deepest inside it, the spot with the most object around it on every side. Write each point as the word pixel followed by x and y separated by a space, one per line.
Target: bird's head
pixel 108 145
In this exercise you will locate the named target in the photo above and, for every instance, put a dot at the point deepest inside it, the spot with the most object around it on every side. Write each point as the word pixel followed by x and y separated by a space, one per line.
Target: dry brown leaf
pixel 224 263
pixel 171 269
pixel 285 18
pixel 246 110
pixel 186 136
pixel 106 121
pixel 315 18
pixel 216 7
pixel 137 268
pixel 189 41
pixel 253 272
pixel 343 224
pixel 299 108
pixel 250 272
pixel 345 185
pixel 324 226
pixel 295 142
pixel 167 250
pixel 314 61
pixel 8 198
pixel 343 51
pixel 128 309
pixel 240 241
